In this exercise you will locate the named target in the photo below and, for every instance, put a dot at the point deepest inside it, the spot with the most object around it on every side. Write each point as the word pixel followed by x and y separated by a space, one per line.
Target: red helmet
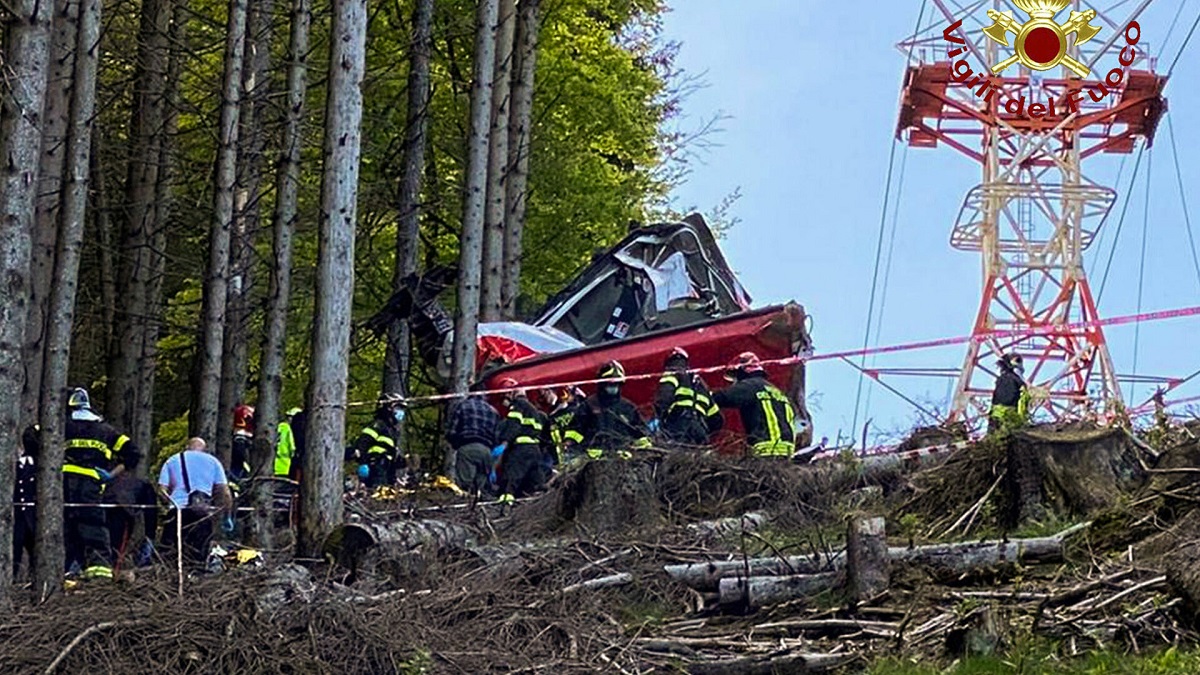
pixel 243 417
pixel 678 354
pixel 745 363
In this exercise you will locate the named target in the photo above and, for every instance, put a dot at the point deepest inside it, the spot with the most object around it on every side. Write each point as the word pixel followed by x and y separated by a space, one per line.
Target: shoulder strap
pixel 187 484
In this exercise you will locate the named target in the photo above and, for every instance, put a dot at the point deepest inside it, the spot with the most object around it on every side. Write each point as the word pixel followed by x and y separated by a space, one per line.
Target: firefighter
pixel 525 433
pixel 1010 398
pixel 684 405
pixel 561 410
pixel 377 447
pixel 607 422
pixel 95 454
pixel 285 448
pixel 243 443
pixel 766 412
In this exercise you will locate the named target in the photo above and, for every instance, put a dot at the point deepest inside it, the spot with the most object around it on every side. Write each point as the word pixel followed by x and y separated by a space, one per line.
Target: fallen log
pixel 408 544
pixel 957 557
pixel 603 582
pixel 780 662
pixel 763 591
pixel 708 530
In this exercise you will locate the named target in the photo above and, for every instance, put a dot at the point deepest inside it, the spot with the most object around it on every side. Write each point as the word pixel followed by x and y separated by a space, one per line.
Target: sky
pixel 807 96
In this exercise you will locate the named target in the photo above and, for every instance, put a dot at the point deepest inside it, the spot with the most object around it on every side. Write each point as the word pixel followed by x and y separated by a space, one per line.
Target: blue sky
pixel 809 93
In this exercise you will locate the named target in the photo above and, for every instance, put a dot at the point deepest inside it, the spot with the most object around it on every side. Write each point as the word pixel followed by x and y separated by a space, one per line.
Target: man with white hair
pixel 196 484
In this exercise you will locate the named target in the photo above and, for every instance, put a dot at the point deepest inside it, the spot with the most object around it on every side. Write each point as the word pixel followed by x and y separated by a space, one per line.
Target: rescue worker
pixel 378 446
pixel 607 422
pixel 765 411
pixel 561 411
pixel 684 405
pixel 243 443
pixel 95 454
pixel 285 447
pixel 1010 398
pixel 25 495
pixel 525 433
pixel 471 433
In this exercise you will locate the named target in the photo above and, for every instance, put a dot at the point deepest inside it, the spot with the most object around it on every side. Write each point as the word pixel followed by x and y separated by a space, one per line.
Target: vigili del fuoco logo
pixel 1040 44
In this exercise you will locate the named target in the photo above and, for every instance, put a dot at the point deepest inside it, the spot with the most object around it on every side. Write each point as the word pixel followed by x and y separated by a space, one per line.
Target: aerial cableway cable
pixel 1137 328
pixel 1137 165
pixel 1187 218
pixel 1184 46
pixel 887 193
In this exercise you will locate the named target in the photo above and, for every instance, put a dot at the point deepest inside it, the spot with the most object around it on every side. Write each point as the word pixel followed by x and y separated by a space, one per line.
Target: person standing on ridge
pixel 767 414
pixel 95 454
pixel 684 405
pixel 378 446
pixel 1010 398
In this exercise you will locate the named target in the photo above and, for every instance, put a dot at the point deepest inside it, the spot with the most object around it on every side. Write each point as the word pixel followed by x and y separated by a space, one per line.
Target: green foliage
pixel 1041 658
pixel 603 93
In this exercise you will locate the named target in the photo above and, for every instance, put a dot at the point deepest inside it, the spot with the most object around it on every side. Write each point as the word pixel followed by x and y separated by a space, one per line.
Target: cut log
pixel 773 664
pixel 764 591
pixel 611 495
pixel 603 582
pixel 409 544
pixel 1067 472
pixel 867 559
pixel 705 576
pixel 956 557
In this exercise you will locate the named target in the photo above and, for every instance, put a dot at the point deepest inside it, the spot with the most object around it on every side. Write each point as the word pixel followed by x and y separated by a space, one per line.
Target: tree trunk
pixel 764 591
pixel 466 318
pixel 61 317
pixel 137 262
pixel 399 346
pixel 54 123
pixel 359 546
pixel 203 420
pixel 104 235
pixel 321 493
pixel 519 133
pixel 867 570
pixel 26 54
pixel 256 87
pixel 287 190
pixel 493 233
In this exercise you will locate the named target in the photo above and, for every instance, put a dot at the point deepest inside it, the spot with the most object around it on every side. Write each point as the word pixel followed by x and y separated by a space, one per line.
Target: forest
pixel 203 199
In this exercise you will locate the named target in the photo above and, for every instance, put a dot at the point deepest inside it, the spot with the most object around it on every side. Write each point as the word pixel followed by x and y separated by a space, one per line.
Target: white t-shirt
pixel 204 471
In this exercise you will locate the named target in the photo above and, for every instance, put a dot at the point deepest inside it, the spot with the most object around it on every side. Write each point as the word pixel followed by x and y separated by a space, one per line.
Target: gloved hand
pixel 145 554
pixel 227 525
pixel 653 425
pixel 364 471
pixel 105 476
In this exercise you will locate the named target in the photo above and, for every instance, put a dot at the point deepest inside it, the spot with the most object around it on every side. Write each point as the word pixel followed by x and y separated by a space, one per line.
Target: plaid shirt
pixel 473 420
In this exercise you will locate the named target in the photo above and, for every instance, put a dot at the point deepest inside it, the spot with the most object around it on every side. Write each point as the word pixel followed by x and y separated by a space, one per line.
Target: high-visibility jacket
pixel 562 431
pixel 377 442
pixel 285 448
pixel 685 409
pixel 767 414
pixel 524 425
pixel 94 445
pixel 610 426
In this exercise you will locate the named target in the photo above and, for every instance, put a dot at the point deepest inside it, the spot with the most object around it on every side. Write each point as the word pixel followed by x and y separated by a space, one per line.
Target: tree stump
pixel 1067 472
pixel 611 495
pixel 867 568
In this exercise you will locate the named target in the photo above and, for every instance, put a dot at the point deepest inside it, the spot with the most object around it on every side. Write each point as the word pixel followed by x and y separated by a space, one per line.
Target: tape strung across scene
pixel 1145 317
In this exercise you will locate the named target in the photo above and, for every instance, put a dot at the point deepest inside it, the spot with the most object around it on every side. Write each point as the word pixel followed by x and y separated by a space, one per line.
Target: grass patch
pixel 1043 660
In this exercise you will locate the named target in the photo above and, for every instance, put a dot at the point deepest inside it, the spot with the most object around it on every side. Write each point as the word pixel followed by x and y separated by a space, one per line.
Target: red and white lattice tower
pixel 1035 211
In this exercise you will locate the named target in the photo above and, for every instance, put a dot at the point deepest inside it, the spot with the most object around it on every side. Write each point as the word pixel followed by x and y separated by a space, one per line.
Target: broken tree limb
pixel 105 625
pixel 716 529
pixel 603 582
pixel 763 591
pixel 705 576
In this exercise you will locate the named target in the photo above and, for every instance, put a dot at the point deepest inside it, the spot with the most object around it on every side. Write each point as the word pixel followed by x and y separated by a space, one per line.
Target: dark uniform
pixel 525 431
pixel 93 447
pixel 25 492
pixel 563 435
pixel 239 458
pixel 1010 400
pixel 608 424
pixel 685 409
pixel 378 447
pixel 766 414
